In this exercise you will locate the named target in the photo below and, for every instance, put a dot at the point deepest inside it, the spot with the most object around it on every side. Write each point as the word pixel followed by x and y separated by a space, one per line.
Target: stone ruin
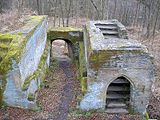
pixel 119 70
pixel 115 72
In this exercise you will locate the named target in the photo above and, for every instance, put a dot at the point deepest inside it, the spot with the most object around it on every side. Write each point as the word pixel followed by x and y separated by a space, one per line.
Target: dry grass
pixel 13 20
pixel 73 22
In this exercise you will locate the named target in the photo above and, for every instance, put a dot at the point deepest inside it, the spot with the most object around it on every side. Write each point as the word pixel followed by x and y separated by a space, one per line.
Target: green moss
pixel 66 29
pixel 83 84
pixel 31 97
pixel 16 43
pixel 130 110
pixel 146 116
pixel 2 86
pixel 5 38
pixel 1 96
pixel 35 75
pixel 37 18
pixel 2 53
pixel 13 49
pixel 82 65
pixel 97 59
pixel 4 46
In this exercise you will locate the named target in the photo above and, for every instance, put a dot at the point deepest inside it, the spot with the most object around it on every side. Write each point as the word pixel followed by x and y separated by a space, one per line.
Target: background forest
pixel 142 13
pixel 141 17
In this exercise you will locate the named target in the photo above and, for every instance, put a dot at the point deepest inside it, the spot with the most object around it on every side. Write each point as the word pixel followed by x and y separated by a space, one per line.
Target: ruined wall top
pixel 110 35
pixel 65 33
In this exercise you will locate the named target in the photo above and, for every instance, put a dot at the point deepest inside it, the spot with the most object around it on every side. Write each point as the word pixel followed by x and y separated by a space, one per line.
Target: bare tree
pixel 68 11
pixel 1 4
pixel 96 8
pixel 62 13
pixel 139 13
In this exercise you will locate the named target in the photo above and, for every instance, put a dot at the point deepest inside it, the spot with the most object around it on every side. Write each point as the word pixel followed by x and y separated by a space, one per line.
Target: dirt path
pixel 67 90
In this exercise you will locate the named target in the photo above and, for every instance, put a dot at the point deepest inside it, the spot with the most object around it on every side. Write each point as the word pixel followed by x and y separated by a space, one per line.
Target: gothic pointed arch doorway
pixel 118 96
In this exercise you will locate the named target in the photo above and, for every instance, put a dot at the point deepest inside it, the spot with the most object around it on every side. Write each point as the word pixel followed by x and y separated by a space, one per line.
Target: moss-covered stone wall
pixel 24 61
pixel 65 33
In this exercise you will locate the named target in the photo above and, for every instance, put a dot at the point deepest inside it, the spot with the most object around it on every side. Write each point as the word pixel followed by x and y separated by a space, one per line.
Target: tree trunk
pixel 55 12
pixel 115 8
pixel 61 6
pixel 68 13
pixel 96 8
pixel 157 16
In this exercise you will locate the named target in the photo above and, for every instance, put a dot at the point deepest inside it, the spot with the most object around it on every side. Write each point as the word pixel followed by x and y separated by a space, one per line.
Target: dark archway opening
pixel 118 96
pixel 61 50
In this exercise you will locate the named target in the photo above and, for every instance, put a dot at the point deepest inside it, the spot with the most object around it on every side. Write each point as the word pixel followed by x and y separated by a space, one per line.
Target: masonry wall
pixel 135 66
pixel 109 57
pixel 26 75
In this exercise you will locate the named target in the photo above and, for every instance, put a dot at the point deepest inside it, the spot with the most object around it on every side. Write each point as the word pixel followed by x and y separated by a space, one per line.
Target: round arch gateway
pixel 118 96
pixel 68 45
pixel 72 36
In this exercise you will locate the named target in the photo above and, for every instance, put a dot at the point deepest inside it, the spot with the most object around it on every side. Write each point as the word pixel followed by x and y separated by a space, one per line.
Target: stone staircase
pixel 109 30
pixel 118 94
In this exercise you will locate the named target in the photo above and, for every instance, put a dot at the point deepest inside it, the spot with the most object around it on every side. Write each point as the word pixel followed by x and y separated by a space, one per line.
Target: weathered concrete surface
pixel 110 54
pixel 19 88
pixel 65 33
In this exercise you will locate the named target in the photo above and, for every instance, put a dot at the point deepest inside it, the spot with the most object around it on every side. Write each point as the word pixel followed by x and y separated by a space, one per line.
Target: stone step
pixel 118 88
pixel 117 111
pixel 110 36
pixel 105 24
pixel 120 81
pixel 108 27
pixel 107 32
pixel 110 32
pixel 117 96
pixel 116 104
